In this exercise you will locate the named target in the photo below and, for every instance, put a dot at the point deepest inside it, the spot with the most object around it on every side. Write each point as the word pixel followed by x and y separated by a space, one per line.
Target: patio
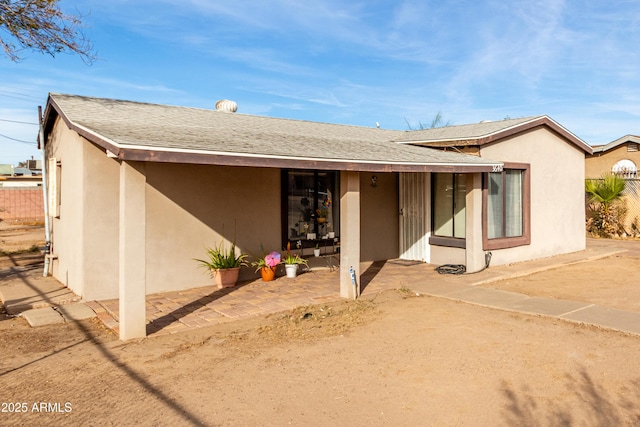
pixel 173 312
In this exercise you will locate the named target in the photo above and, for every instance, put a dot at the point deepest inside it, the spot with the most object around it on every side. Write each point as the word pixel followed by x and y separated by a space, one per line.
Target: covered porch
pixel 181 311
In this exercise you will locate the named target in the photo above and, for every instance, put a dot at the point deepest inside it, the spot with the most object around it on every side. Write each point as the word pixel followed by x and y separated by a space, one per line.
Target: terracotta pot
pixel 268 273
pixel 226 278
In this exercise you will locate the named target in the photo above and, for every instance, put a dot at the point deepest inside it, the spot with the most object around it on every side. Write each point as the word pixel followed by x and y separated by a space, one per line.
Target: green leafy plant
pixel 606 212
pixel 269 260
pixel 220 258
pixel 290 258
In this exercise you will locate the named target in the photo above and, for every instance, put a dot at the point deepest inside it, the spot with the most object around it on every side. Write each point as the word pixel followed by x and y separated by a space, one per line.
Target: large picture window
pixel 311 210
pixel 448 201
pixel 506 207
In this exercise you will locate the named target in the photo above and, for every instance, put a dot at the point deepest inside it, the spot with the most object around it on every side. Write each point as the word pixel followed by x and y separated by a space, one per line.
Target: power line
pixel 16 121
pixel 18 140
pixel 20 95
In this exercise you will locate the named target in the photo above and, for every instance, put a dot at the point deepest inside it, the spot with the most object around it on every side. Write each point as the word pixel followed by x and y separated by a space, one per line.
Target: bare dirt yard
pixel 392 359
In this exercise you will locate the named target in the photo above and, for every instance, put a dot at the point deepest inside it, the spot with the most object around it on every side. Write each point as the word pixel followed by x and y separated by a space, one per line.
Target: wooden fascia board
pixel 506 133
pixel 50 116
pixel 542 121
pixel 283 163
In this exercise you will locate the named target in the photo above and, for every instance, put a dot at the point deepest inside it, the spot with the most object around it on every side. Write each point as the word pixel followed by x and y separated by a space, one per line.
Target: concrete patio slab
pixel 73 312
pixel 33 291
pixel 441 289
pixel 42 316
pixel 488 297
pixel 547 306
pixel 620 320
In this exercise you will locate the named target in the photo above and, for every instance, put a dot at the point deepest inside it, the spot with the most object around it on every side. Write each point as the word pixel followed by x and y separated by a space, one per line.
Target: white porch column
pixel 474 253
pixel 349 233
pixel 132 278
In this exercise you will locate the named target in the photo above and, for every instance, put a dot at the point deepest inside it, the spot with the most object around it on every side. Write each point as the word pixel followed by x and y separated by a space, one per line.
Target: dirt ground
pixel 393 359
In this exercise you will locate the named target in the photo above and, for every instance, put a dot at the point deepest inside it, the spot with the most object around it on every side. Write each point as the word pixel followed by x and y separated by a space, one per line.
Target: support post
pixel 349 234
pixel 474 253
pixel 132 257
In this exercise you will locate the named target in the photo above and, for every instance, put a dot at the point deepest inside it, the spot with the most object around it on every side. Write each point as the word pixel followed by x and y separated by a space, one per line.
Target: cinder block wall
pixel 21 205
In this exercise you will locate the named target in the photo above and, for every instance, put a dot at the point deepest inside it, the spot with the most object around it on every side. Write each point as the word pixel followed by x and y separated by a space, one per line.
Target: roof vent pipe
pixel 226 106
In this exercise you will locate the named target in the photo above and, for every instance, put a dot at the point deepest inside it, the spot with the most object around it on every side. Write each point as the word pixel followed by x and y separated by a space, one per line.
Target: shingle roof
pixel 467 132
pixel 486 132
pixel 140 131
pixel 613 144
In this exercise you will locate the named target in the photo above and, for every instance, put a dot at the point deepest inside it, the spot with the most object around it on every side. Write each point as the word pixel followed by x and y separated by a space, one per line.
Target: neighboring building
pixel 139 190
pixel 621 156
pixel 6 170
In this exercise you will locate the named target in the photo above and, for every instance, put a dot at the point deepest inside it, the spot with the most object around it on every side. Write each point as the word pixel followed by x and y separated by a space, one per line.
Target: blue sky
pixel 398 63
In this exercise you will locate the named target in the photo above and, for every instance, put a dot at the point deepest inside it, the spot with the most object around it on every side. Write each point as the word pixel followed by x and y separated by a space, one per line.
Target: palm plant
pixel 603 193
pixel 221 258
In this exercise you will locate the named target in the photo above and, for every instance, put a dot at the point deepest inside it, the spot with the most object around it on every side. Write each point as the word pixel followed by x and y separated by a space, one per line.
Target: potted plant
pixel 291 263
pixel 267 265
pixel 224 264
pixel 316 251
pixel 321 215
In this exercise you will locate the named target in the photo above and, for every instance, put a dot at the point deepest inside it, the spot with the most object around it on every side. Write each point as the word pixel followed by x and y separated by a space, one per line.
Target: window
pixel 55 172
pixel 625 168
pixel 448 201
pixel 506 207
pixel 310 206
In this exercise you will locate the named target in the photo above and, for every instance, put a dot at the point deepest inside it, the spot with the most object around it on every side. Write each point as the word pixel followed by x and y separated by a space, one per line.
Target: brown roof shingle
pixel 153 132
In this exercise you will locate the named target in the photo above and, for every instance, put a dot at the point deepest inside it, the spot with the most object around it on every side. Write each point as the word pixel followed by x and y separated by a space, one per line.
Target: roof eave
pixel 270 161
pixel 154 154
pixel 616 143
pixel 53 110
pixel 508 132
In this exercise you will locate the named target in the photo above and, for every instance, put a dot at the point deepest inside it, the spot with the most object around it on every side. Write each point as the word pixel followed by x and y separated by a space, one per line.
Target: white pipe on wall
pixel 47 230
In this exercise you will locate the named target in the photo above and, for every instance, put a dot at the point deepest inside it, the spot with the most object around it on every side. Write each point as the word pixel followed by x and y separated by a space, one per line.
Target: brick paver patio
pixel 173 312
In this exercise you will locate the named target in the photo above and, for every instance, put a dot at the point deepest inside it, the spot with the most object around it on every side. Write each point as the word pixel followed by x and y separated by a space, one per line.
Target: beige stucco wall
pixel 446 255
pixel 379 217
pixel 100 223
pixel 85 236
pixel 600 163
pixel 191 207
pixel 66 230
pixel 557 193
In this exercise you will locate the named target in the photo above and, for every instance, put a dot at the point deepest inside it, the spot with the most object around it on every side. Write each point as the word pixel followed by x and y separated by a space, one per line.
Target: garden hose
pixel 461 269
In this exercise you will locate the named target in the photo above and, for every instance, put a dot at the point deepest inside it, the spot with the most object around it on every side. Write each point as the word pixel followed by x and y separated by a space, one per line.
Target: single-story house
pixel 621 156
pixel 137 191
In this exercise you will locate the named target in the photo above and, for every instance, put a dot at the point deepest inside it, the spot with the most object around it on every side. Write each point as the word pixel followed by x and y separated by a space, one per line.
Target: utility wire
pixel 18 95
pixel 18 140
pixel 16 121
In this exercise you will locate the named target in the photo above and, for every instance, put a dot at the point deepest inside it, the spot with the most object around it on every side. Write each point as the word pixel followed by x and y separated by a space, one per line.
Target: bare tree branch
pixel 40 25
